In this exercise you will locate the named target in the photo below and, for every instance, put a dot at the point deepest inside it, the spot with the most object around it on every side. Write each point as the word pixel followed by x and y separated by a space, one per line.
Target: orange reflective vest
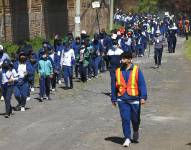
pixel 131 87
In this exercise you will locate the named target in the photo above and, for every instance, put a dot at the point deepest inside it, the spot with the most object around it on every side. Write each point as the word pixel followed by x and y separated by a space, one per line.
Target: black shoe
pixel 7 115
pixel 18 108
pixel 66 88
pixel 41 99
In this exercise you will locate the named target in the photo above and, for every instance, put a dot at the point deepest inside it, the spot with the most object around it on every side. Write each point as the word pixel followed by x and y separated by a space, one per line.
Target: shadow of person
pixel 114 139
pixel 188 144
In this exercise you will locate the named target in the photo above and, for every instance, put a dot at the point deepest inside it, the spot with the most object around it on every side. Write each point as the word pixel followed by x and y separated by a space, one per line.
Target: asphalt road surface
pixel 83 118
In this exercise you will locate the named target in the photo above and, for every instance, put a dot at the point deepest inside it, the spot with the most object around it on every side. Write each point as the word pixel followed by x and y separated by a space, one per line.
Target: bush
pixel 36 43
pixel 10 47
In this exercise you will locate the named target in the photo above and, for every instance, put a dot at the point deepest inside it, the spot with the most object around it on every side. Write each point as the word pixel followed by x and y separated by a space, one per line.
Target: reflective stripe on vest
pixel 131 87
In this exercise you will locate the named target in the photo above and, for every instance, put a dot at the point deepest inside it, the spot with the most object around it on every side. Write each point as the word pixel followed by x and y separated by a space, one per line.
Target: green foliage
pixel 36 43
pixel 188 49
pixel 148 6
pixel 10 47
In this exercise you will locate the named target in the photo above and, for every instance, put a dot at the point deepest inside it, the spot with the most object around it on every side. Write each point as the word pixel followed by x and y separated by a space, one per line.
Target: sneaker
pixel 127 143
pixel 136 137
pixel 2 98
pixel 28 98
pixel 41 99
pixel 22 108
pixel 45 97
pixel 32 89
pixel 53 90
pixel 59 82
pixel 96 77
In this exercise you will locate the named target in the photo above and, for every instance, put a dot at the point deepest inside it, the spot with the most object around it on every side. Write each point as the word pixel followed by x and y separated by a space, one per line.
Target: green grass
pixel 188 49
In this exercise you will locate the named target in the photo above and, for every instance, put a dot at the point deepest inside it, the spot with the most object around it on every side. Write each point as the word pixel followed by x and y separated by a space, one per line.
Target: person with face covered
pixel 131 93
pixel 67 63
pixel 3 56
pixel 158 48
pixel 83 59
pixel 9 77
pixel 24 71
pixel 95 58
pixel 113 54
pixel 45 70
pixel 76 47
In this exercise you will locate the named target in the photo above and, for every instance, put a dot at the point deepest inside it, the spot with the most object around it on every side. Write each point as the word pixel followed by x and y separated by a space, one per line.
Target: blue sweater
pixel 141 85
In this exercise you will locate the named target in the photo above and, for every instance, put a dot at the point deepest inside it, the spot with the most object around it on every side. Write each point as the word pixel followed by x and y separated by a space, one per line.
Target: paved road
pixel 83 119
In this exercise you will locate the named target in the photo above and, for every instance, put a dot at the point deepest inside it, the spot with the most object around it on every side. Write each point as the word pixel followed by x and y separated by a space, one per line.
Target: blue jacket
pixel 141 85
pixel 76 47
pixel 29 68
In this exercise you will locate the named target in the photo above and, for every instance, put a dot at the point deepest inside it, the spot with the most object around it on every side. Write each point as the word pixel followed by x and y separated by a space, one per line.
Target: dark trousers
pixel 68 75
pixel 83 72
pixel 44 86
pixel 95 65
pixel 7 94
pixel 186 34
pixel 130 113
pixel 21 93
pixel 53 80
pixel 76 68
pixel 113 84
pixel 172 44
pixel 158 56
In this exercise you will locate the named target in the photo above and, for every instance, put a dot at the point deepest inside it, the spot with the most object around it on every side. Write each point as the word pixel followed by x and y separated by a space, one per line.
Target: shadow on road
pixel 107 94
pixel 114 139
pixel 188 144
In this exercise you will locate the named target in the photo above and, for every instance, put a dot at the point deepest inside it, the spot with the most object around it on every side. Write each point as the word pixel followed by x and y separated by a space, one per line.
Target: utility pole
pixel 77 19
pixel 111 14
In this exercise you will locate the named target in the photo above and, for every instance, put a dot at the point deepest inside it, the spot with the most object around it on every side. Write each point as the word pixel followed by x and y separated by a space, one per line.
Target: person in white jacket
pixel 67 63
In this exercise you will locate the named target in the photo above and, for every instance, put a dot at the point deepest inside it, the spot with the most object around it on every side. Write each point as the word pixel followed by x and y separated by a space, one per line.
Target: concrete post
pixel 111 14
pixel 77 19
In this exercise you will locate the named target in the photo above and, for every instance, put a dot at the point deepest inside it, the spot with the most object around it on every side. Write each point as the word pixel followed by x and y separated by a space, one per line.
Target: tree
pixel 148 6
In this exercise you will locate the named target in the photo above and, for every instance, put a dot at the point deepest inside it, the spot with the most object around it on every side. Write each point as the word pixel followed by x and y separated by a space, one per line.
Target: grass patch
pixel 188 48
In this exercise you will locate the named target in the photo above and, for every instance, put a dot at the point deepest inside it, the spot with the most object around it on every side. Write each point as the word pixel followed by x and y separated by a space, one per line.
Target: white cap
pixel 83 32
pixel 1 47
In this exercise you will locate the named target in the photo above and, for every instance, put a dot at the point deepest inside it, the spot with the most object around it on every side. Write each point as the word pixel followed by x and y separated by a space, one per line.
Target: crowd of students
pixel 81 57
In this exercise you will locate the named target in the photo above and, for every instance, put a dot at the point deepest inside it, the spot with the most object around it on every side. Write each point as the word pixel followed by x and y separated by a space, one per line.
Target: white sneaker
pixel 127 143
pixel 53 90
pixel 28 99
pixel 59 82
pixel 2 98
pixel 32 89
pixel 22 108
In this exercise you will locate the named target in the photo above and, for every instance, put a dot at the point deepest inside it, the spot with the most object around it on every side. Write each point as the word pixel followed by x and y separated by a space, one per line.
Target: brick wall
pixel 26 19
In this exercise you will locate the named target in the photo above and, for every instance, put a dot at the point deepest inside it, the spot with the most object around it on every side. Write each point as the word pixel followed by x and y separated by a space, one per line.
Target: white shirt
pixel 66 59
pixel 10 74
pixel 52 56
pixel 117 51
pixel 22 69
